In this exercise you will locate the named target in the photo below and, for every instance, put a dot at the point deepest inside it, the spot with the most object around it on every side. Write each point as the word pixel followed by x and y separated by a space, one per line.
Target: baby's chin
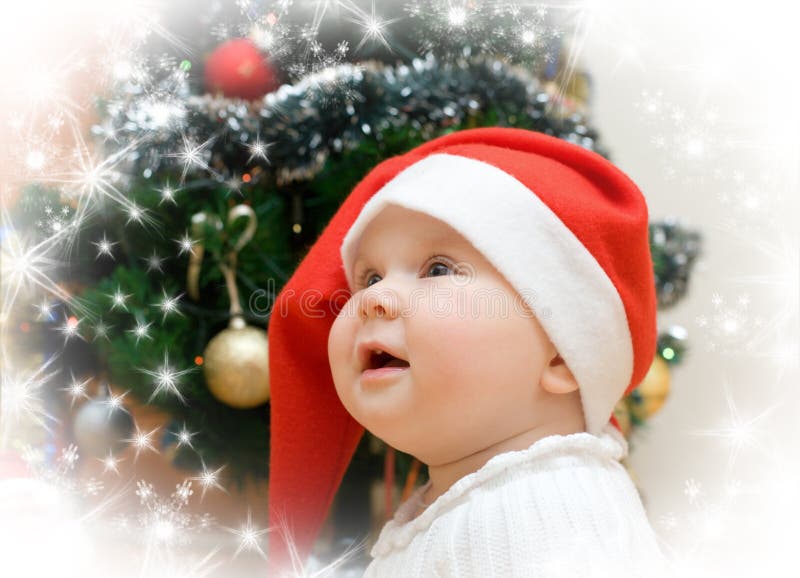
pixel 401 445
pixel 421 446
pixel 394 436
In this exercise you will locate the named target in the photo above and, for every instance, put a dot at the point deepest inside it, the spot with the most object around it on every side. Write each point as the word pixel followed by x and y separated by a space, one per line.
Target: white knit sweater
pixel 564 507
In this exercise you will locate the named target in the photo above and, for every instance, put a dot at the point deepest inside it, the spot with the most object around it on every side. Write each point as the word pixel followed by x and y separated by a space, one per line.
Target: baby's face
pixel 475 351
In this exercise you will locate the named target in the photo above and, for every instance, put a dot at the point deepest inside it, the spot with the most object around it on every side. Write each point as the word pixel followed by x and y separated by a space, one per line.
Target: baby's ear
pixel 557 377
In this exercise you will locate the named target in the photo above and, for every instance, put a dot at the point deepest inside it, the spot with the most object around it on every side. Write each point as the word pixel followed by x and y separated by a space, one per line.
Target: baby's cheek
pixel 475 341
pixel 340 343
pixel 445 345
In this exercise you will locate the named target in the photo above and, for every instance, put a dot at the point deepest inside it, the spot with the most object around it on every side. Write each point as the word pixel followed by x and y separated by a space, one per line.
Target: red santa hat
pixel 562 224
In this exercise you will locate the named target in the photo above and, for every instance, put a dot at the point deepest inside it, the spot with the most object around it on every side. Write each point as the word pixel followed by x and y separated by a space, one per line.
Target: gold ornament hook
pixel 243 211
pixel 200 222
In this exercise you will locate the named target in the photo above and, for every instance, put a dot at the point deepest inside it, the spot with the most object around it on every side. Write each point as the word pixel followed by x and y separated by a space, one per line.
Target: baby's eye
pixel 368 278
pixel 440 266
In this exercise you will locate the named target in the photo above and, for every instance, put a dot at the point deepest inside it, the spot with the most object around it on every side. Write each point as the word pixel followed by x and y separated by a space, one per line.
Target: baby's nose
pixel 379 302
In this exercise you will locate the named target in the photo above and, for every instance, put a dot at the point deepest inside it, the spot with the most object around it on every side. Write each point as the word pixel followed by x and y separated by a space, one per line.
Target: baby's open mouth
pixel 380 359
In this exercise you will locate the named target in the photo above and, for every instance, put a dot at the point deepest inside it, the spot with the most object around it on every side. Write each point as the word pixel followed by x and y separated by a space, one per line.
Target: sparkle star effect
pixel 137 215
pixel 104 247
pixel 753 207
pixel 115 401
pixel 118 299
pixel 35 160
pixel 193 155
pixel 23 397
pixel 185 244
pixel 45 311
pixel 248 536
pixel 168 304
pixel 167 379
pixel 210 479
pixel 25 266
pixel 234 185
pixel 185 437
pixel 311 50
pixel 457 16
pixel 300 568
pixel 101 331
pixel 141 331
pixel 258 150
pixel 70 328
pixel 165 522
pixel 779 254
pixel 605 20
pixel 91 182
pixel 154 262
pixel 168 194
pixel 136 20
pixel 739 432
pixel 374 27
pixel 60 475
pixel 142 441
pixel 57 222
pixel 77 389
pixel 688 143
pixel 161 524
pixel 730 327
pixel 111 463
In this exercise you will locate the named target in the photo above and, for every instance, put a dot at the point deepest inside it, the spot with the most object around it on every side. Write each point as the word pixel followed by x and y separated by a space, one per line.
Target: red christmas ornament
pixel 238 69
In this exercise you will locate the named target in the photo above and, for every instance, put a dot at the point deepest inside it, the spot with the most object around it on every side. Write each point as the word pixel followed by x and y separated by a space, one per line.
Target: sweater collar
pixel 609 445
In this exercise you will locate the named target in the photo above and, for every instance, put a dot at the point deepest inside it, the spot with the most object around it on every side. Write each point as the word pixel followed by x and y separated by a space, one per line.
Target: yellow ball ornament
pixel 653 391
pixel 236 365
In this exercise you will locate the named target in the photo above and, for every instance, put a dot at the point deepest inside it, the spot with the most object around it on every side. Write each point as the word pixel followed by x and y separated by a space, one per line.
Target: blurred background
pixel 165 166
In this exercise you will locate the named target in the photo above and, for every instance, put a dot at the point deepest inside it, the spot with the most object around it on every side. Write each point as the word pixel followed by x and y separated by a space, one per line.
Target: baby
pixel 481 303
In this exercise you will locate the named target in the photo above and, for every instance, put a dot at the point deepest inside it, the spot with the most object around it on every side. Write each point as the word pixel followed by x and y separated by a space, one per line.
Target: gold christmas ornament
pixel 653 391
pixel 236 365
pixel 236 360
